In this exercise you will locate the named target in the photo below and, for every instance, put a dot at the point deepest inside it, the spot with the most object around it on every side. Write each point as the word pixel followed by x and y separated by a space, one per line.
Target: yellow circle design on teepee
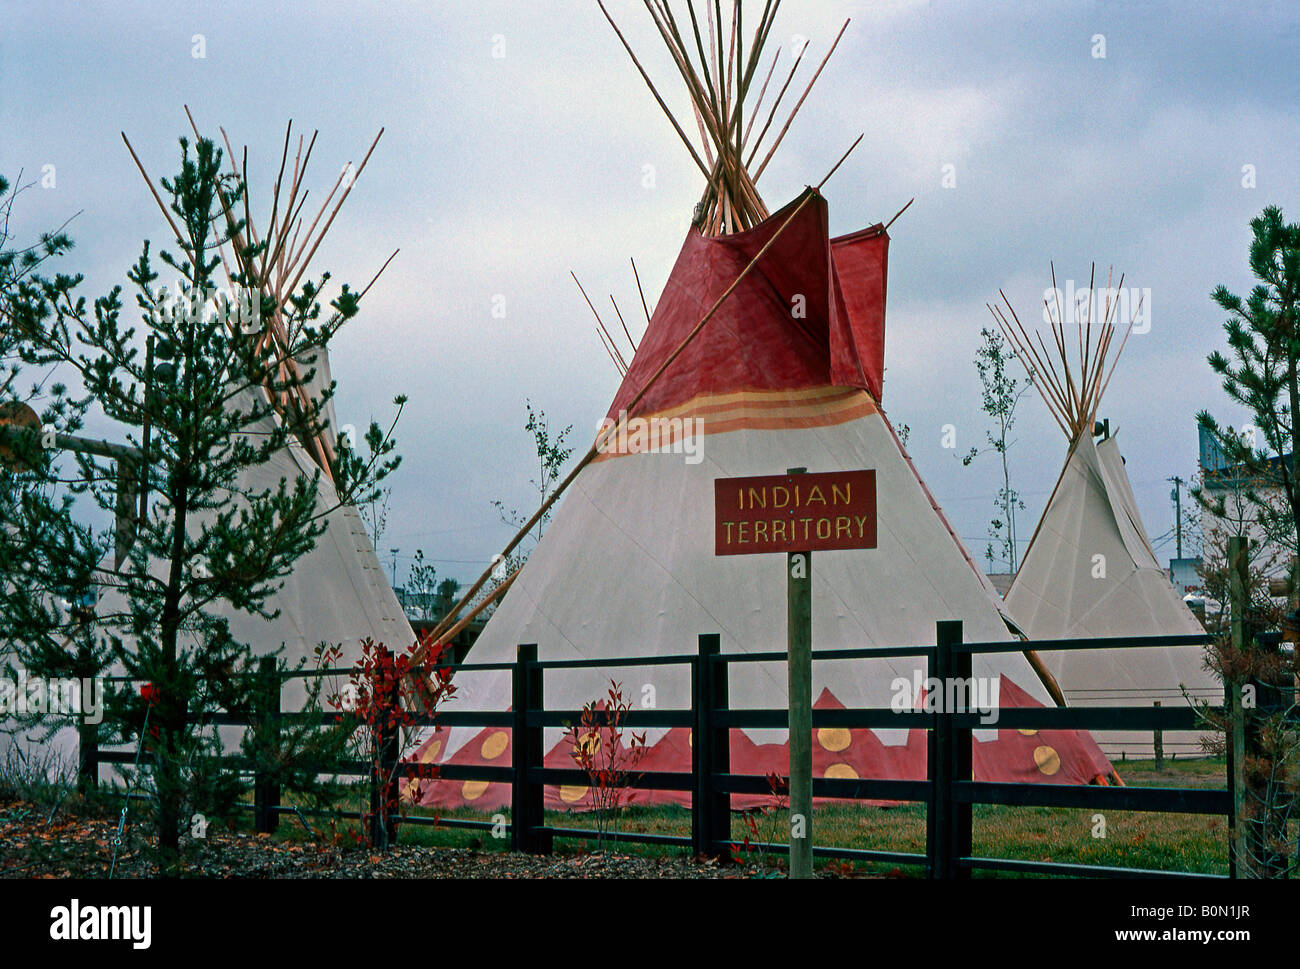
pixel 431 752
pixel 841 771
pixel 1047 760
pixel 571 793
pixel 1027 733
pixel 473 790
pixel 413 789
pixel 833 738
pixel 495 745
pixel 690 738
pixel 587 743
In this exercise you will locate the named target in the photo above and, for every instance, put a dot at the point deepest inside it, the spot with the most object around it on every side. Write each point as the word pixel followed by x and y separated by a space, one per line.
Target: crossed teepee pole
pixel 283 261
pixel 719 77
pixel 1073 393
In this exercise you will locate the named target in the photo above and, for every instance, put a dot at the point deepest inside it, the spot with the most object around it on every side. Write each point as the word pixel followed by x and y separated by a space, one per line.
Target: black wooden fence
pixel 950 792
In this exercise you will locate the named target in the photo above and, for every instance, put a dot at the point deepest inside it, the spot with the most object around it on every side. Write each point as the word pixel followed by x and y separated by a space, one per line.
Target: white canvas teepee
pixel 627 567
pixel 1090 570
pixel 729 381
pixel 338 593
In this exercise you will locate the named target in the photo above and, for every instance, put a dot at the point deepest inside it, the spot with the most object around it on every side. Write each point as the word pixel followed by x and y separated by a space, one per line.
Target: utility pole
pixel 1178 513
pixel 393 552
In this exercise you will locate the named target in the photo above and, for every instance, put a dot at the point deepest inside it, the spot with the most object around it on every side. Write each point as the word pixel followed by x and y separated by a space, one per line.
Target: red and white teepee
pixel 765 351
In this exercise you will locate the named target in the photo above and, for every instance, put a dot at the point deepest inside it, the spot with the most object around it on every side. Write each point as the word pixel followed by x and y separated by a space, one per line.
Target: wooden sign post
pixel 796 513
pixel 799 693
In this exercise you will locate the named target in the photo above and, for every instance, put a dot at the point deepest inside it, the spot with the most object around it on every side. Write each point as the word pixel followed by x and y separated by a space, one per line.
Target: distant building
pixel 1217 474
pixel 1222 479
pixel 1002 582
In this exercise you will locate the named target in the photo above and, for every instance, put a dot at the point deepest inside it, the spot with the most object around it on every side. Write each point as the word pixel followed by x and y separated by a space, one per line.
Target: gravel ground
pixel 36 844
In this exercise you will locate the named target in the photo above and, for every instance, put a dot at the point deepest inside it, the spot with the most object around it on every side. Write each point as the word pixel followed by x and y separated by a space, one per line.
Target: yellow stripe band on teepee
pixel 666 431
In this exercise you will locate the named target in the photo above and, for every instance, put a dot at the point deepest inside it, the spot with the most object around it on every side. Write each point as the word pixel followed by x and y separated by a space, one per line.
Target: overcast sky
pixel 516 145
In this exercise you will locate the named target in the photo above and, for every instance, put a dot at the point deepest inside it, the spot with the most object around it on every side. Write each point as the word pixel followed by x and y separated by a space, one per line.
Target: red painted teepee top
pixel 810 314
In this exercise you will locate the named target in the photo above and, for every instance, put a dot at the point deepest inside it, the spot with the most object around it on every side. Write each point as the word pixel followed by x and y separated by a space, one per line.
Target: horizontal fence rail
pixel 949 791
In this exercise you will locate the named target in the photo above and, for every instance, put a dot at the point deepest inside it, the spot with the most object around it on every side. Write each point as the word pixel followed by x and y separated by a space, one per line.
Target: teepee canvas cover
pixel 1090 570
pixel 627 568
pixel 338 593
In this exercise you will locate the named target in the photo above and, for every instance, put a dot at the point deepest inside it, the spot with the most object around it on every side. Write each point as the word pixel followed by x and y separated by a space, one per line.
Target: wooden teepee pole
pixel 1074 395
pixel 808 90
pixel 682 134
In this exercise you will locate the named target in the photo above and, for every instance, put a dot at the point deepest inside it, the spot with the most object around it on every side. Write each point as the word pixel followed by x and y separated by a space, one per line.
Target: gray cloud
pixel 498 176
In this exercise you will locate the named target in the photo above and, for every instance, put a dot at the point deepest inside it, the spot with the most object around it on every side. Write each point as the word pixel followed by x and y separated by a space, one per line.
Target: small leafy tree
pixel 1001 394
pixel 552 455
pixel 386 701
pixel 374 515
pixel 422 588
pixel 757 837
pixel 597 747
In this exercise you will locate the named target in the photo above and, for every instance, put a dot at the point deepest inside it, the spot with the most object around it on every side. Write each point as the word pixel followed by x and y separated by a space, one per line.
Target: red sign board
pixel 794 512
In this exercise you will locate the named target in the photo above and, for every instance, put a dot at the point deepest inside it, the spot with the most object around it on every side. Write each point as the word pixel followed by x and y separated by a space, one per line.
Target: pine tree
pixel 1258 499
pixel 207 543
pixel 1262 374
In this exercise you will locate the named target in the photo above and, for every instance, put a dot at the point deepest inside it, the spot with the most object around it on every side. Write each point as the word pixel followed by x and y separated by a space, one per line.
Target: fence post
pixel 1237 598
pixel 1158 744
pixel 799 708
pixel 87 756
pixel 948 824
pixel 710 750
pixel 701 771
pixel 961 665
pixel 87 733
pixel 527 806
pixel 266 792
pixel 940 822
pixel 933 807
